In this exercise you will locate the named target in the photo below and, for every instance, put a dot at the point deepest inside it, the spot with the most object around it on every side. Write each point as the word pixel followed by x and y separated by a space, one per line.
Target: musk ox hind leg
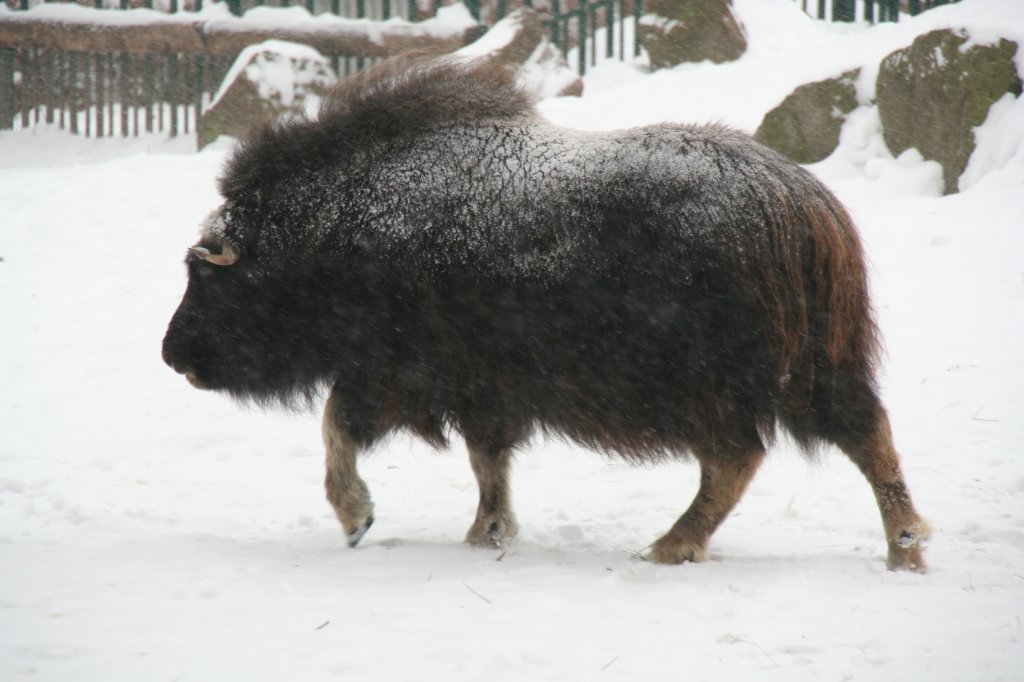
pixel 875 455
pixel 723 478
pixel 346 491
pixel 495 523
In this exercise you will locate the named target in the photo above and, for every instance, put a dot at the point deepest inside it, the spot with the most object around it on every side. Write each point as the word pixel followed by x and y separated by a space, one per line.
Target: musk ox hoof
pixel 666 551
pixel 357 533
pixel 906 551
pixel 493 532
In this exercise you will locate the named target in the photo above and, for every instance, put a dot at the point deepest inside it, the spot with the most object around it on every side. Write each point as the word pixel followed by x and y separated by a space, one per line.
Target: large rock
pixel 520 43
pixel 932 94
pixel 268 81
pixel 805 126
pixel 677 31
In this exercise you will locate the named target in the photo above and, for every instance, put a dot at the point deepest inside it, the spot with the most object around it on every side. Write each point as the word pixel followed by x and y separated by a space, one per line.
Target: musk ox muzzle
pixel 177 363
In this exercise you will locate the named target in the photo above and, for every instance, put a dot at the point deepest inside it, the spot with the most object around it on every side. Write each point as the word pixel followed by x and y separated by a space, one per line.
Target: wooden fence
pixel 379 10
pixel 107 79
pixel 160 77
pixel 98 95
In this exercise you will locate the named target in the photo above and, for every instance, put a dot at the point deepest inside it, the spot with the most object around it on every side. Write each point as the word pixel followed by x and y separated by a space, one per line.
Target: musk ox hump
pixel 420 91
pixel 404 95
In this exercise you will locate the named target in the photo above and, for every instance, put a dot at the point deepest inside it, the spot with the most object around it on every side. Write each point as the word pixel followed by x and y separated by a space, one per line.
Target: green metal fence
pixel 870 10
pixel 602 28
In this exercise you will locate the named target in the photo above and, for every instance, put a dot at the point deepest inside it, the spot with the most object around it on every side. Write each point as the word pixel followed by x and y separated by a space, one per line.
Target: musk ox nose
pixel 181 367
pixel 180 364
pixel 166 357
pixel 174 360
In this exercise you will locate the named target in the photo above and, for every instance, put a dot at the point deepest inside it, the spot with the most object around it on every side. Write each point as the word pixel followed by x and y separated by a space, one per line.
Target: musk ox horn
pixel 227 255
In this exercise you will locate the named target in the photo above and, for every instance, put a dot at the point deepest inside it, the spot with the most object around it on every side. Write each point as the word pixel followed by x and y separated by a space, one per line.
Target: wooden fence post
pixel 581 39
pixel 638 10
pixel 7 108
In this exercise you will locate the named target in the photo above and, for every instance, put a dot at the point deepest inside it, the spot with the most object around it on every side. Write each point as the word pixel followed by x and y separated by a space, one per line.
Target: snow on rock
pixel 520 42
pixel 546 73
pixel 497 38
pixel 267 81
pixel 280 70
pixel 998 141
pixel 966 82
pixel 806 126
pixel 863 158
pixel 675 32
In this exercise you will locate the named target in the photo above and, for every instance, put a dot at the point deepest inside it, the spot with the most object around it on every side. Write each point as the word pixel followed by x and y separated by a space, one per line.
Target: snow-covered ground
pixel 149 531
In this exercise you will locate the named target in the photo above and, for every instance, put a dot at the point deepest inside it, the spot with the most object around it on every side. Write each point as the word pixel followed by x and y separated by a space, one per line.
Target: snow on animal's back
pixel 543 200
pixel 443 167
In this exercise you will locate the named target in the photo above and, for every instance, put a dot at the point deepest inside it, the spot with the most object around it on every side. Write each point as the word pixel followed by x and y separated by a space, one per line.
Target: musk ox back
pixel 439 258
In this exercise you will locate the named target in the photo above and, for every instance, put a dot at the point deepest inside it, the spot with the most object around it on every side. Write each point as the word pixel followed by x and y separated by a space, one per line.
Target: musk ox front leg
pixel 723 478
pixel 495 524
pixel 346 491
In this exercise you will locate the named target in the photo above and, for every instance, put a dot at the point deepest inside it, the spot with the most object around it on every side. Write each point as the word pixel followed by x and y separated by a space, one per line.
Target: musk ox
pixel 436 257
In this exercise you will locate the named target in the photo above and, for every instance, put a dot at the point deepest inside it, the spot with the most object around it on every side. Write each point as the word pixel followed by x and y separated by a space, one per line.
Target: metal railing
pixel 588 24
pixel 871 11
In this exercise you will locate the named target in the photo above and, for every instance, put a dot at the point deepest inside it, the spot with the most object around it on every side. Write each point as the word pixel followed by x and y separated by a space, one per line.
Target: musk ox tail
pixel 819 300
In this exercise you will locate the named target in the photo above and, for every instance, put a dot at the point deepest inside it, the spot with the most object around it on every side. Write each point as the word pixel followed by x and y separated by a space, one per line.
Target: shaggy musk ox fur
pixel 440 258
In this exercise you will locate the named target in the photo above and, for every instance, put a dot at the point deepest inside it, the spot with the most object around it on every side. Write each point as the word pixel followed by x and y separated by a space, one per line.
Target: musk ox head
pixel 299 277
pixel 242 322
pixel 267 319
pixel 208 320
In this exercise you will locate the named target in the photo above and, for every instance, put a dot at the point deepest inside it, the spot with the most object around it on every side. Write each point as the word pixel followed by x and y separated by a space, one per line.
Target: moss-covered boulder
pixel 677 31
pixel 932 94
pixel 271 80
pixel 805 126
